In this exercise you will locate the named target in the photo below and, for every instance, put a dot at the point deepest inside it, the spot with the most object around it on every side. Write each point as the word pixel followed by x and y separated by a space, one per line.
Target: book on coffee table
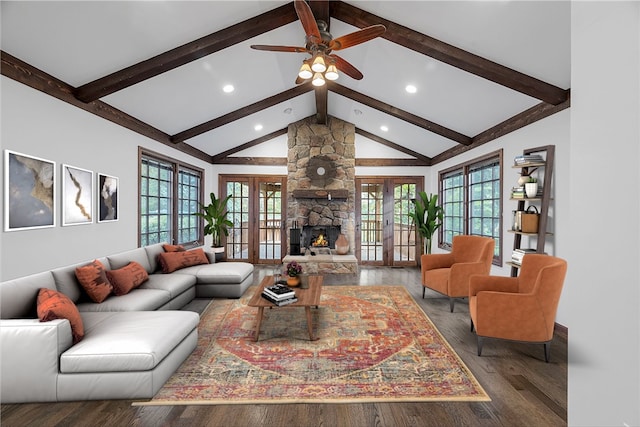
pixel 280 302
pixel 279 292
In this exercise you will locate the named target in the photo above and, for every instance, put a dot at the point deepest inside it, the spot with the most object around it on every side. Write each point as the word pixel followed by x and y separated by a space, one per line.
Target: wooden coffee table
pixel 307 298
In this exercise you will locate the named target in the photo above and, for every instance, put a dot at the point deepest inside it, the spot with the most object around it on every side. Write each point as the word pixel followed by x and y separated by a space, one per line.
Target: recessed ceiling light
pixel 288 110
pixel 357 112
pixel 411 89
pixel 384 128
pixel 228 88
pixel 258 127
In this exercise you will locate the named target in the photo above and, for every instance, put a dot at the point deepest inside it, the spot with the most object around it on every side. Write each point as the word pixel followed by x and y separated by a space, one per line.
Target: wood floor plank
pixel 525 391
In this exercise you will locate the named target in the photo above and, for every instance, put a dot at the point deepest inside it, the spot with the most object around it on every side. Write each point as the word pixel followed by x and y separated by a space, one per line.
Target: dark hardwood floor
pixel 525 391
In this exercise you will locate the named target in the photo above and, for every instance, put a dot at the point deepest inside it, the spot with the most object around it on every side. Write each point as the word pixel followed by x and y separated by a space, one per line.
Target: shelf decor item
pixel 342 245
pixel 531 187
pixel 293 271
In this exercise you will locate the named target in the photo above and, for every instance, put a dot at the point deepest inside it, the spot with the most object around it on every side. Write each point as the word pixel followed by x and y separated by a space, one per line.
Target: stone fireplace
pixel 321 182
pixel 323 236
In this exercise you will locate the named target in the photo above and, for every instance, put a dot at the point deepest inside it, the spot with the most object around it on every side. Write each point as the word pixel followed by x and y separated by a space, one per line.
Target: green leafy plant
pixel 215 214
pixel 428 217
pixel 532 179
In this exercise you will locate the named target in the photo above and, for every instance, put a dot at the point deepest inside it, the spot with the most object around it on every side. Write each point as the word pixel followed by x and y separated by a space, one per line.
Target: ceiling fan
pixel 319 43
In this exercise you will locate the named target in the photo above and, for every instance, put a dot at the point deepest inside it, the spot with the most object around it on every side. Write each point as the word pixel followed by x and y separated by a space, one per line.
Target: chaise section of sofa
pixel 132 342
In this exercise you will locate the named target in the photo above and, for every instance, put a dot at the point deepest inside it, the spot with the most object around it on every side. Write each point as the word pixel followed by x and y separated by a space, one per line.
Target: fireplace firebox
pixel 319 236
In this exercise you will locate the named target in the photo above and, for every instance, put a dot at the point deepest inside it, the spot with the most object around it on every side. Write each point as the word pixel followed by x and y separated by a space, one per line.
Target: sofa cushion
pixel 122 259
pixel 222 272
pixel 18 297
pixel 127 341
pixel 175 284
pixel 54 305
pixel 173 248
pixel 136 300
pixel 67 282
pixel 172 261
pixel 94 281
pixel 127 278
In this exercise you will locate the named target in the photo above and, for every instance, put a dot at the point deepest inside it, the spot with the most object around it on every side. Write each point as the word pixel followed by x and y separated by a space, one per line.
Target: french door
pixel 257 209
pixel 385 233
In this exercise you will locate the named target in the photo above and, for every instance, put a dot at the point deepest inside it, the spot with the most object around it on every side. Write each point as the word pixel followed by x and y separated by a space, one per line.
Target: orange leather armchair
pixel 449 273
pixel 519 308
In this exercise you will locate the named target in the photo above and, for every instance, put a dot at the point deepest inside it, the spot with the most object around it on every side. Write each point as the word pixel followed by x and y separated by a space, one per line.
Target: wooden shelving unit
pixel 548 153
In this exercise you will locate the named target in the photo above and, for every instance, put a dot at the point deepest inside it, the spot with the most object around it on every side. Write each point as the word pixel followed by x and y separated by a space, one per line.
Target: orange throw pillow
pixel 127 278
pixel 53 305
pixel 93 279
pixel 172 261
pixel 173 248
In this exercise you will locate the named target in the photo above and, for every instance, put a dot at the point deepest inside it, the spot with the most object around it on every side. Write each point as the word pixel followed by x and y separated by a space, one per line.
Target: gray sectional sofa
pixel 132 343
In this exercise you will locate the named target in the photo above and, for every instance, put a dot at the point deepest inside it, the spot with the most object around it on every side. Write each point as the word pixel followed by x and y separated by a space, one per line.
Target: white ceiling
pixel 78 42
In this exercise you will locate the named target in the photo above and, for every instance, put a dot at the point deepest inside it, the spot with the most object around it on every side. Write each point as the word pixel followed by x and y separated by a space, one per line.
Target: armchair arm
pixel 460 275
pixel 433 261
pixel 479 283
pixel 29 357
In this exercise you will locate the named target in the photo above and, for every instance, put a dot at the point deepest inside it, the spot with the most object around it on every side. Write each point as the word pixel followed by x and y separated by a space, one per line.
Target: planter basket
pixel 529 220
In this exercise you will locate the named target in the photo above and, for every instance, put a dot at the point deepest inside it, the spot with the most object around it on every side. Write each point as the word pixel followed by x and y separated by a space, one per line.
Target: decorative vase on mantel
pixel 342 245
pixel 293 281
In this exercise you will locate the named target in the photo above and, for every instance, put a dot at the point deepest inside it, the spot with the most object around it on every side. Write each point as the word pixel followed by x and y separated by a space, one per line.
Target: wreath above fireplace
pixel 321 170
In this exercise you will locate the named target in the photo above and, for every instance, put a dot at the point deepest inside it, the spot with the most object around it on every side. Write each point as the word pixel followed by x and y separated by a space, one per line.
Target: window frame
pixel 177 167
pixel 465 170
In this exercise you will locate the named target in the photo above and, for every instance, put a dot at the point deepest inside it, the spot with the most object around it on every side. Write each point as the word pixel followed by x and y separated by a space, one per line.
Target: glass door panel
pixel 237 247
pixel 404 231
pixel 370 225
pixel 270 222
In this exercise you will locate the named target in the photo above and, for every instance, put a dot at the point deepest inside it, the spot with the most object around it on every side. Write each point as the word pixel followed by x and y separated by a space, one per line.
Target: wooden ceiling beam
pixel 220 158
pixel 520 120
pixel 322 105
pixel 422 159
pixel 451 55
pixel 398 113
pixel 389 162
pixel 320 9
pixel 31 76
pixel 186 53
pixel 258 161
pixel 242 112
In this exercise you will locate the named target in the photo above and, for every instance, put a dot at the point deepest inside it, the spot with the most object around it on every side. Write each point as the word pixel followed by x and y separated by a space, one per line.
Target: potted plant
pixel 293 271
pixel 531 187
pixel 215 214
pixel 428 217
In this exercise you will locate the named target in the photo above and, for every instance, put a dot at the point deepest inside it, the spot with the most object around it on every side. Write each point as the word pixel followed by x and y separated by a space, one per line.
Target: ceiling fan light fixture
pixel 332 73
pixel 318 64
pixel 318 80
pixel 305 72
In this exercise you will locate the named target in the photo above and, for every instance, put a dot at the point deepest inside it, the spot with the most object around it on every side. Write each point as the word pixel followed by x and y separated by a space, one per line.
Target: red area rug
pixel 375 344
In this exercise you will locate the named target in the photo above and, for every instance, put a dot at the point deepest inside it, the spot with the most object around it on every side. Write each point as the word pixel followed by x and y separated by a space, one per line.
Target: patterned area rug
pixel 375 344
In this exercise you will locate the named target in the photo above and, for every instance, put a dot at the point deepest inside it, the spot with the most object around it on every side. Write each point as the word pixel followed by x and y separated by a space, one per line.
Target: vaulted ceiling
pixel 481 69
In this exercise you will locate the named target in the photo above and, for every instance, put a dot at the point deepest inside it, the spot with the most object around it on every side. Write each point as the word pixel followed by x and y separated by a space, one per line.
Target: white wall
pixel 39 125
pixel 604 231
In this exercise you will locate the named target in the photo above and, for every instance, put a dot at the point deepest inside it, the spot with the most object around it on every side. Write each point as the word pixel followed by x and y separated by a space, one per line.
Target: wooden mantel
pixel 321 194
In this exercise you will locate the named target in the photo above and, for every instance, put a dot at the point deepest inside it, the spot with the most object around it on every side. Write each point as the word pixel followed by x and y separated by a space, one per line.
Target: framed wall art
pixel 77 196
pixel 108 198
pixel 29 193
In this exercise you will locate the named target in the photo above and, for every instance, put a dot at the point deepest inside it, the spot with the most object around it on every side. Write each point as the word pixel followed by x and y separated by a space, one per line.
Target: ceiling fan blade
pixel 308 20
pixel 347 68
pixel 357 37
pixel 279 48
pixel 300 80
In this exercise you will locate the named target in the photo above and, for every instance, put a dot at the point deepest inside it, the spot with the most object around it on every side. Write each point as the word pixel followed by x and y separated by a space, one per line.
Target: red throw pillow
pixel 93 279
pixel 53 305
pixel 172 261
pixel 173 248
pixel 127 278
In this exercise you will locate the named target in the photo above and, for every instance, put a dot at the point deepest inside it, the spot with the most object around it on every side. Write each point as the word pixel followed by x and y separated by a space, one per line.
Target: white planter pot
pixel 531 188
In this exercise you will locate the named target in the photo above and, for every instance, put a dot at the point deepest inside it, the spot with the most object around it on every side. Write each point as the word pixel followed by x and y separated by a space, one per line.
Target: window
pixel 170 192
pixel 471 196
